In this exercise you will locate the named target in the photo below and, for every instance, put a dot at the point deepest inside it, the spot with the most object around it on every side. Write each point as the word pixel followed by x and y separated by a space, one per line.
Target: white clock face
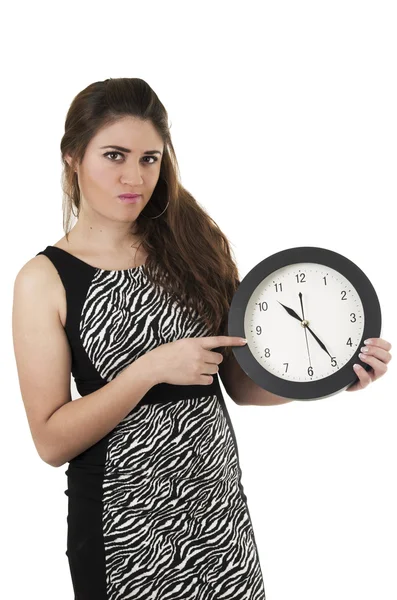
pixel 332 309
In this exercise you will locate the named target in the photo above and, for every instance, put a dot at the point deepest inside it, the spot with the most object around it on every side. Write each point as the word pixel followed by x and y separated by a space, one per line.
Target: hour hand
pixel 291 312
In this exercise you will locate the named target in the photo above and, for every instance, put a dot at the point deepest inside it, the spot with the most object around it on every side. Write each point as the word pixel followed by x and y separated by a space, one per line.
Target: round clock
pixel 305 313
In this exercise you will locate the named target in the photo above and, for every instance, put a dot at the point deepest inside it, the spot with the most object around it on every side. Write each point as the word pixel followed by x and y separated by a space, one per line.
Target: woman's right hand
pixel 189 361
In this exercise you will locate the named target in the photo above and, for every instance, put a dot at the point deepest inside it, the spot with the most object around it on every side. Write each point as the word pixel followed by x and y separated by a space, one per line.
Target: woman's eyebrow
pixel 128 150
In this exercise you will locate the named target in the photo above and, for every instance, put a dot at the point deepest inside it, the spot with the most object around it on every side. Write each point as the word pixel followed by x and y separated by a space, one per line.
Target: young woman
pixel 133 301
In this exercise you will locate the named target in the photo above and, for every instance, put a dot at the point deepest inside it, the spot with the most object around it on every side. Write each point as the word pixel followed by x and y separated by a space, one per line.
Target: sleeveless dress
pixel 156 508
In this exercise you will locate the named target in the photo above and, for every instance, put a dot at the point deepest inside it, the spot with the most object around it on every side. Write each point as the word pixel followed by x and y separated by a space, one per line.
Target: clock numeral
pixel 325 280
pixel 262 306
pixel 310 371
pixel 267 352
pixel 354 319
pixel 286 367
pixel 278 284
pixel 333 362
pixel 258 329
pixel 349 342
pixel 302 276
pixel 343 296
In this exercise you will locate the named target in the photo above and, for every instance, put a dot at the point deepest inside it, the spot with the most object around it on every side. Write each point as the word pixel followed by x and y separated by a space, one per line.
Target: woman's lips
pixel 130 199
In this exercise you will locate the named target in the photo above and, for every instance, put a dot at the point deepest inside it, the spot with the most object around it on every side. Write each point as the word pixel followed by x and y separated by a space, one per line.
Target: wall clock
pixel 305 313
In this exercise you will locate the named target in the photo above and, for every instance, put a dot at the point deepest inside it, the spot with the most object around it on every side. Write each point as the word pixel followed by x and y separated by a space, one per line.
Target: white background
pixel 284 123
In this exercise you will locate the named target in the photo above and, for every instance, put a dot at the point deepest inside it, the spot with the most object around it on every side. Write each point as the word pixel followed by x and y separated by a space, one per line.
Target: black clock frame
pixel 343 377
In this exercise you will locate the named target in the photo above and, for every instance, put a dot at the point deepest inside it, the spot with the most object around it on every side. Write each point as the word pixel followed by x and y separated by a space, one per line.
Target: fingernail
pixel 367 341
pixel 356 367
pixel 243 340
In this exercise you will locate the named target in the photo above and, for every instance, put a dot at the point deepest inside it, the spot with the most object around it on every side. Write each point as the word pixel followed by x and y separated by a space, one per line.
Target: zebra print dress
pixel 156 509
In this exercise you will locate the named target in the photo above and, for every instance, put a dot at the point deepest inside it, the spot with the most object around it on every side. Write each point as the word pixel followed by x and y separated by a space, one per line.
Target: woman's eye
pixel 113 153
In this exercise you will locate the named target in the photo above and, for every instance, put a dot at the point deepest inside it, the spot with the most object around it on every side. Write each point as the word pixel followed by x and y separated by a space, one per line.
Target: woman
pixel 132 301
pixel 128 301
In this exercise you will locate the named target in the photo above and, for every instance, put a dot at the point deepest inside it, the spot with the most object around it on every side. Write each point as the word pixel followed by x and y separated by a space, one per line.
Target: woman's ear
pixel 68 159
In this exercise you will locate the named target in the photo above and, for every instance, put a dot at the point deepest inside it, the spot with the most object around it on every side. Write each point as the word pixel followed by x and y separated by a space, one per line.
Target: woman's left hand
pixel 378 357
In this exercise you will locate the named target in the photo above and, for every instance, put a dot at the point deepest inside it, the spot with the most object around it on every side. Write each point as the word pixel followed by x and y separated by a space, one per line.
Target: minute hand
pixel 291 312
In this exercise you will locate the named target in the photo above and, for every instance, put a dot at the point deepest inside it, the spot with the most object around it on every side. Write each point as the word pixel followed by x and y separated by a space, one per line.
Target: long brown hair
pixel 187 253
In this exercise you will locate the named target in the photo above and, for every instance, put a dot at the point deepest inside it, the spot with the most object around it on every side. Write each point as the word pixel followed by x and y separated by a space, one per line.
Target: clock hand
pixel 300 298
pixel 291 312
pixel 313 334
pixel 307 343
pixel 319 341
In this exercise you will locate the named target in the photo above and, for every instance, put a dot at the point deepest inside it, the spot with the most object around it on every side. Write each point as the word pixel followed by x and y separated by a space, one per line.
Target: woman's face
pixel 107 172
